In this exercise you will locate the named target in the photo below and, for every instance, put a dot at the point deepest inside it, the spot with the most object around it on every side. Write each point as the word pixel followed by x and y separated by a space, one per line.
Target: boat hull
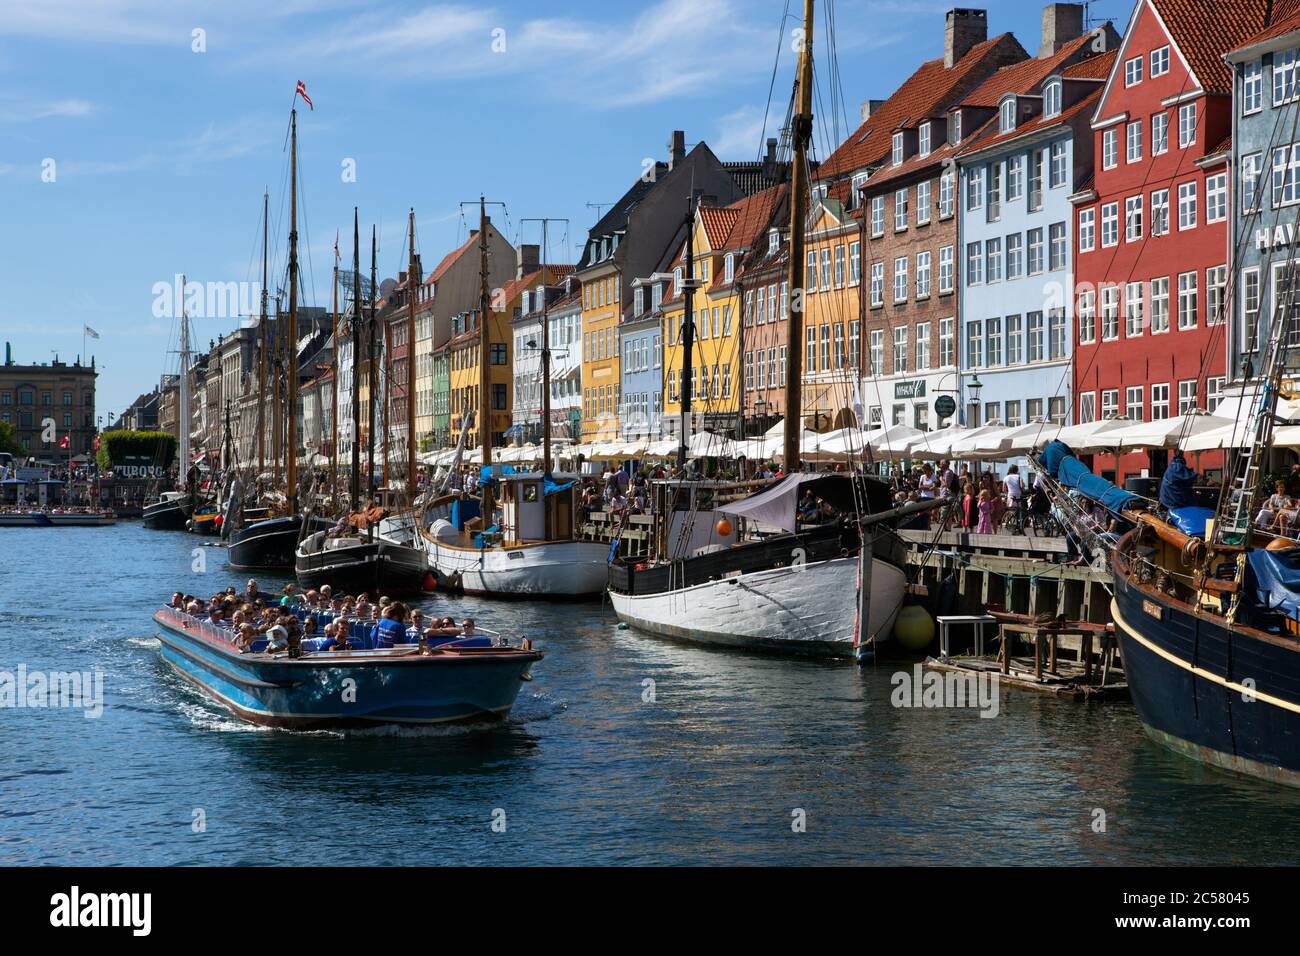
pixel 1227 697
pixel 270 545
pixel 559 569
pixel 352 689
pixel 808 609
pixel 83 521
pixel 166 516
pixel 378 568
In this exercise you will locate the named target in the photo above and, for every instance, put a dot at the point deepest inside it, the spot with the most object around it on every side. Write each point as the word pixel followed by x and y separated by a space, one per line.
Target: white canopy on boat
pixel 775 506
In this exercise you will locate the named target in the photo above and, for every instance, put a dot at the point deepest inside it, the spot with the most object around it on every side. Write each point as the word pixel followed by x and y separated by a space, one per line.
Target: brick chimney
pixel 869 107
pixel 964 29
pixel 676 148
pixel 1062 22
pixel 528 260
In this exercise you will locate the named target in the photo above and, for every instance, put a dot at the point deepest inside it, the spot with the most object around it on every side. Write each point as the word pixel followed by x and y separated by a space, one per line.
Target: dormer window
pixel 774 241
pixel 954 129
pixel 524 309
pixel 729 268
pixel 923 139
pixel 1007 115
pixel 898 149
pixel 1052 99
pixel 656 296
pixel 677 281
pixel 639 296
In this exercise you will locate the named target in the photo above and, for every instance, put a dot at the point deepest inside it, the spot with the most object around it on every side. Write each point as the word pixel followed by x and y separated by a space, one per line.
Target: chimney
pixel 869 108
pixel 769 160
pixel 1062 22
pixel 528 260
pixel 965 28
pixel 676 148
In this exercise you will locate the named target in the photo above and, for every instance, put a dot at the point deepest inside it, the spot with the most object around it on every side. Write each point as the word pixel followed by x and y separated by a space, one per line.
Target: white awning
pixel 775 506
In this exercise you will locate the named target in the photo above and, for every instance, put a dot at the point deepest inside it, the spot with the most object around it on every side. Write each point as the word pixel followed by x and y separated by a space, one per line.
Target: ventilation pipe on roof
pixel 869 108
pixel 1062 22
pixel 528 260
pixel 676 148
pixel 963 29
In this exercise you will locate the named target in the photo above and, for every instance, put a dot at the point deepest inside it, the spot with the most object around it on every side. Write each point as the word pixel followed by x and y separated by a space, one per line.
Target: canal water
pixel 625 749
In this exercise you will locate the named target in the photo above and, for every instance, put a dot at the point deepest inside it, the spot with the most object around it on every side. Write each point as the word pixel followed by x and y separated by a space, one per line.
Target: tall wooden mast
pixel 261 349
pixel 354 484
pixel 801 134
pixel 546 364
pixel 688 329
pixel 375 393
pixel 484 359
pixel 291 343
pixel 413 287
pixel 334 405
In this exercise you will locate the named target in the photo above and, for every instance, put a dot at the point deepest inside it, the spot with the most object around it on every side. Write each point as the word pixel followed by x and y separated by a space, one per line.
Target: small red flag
pixel 96 443
pixel 65 441
pixel 302 91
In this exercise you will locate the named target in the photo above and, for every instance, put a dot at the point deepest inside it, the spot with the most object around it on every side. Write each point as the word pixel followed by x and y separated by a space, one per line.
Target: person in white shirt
pixel 926 483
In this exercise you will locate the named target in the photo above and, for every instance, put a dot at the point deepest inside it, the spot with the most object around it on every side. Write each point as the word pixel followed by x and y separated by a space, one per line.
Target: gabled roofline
pixel 1118 68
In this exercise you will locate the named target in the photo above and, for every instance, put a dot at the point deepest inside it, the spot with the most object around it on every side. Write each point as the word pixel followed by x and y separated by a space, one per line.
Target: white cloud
pixel 26 111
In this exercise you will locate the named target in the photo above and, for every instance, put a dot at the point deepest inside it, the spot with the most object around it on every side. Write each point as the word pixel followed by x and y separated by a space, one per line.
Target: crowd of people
pixel 317 620
pixel 984 498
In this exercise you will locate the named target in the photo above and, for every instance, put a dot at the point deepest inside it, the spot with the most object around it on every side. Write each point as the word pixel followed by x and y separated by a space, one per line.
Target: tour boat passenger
pixel 416 629
pixel 389 629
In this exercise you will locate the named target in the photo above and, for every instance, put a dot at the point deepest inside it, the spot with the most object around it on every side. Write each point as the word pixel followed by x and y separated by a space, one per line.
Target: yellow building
pixel 464 359
pixel 601 291
pixel 832 333
pixel 720 239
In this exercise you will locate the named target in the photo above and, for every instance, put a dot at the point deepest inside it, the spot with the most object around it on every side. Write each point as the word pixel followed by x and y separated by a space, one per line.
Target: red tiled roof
pixel 717 222
pixel 753 215
pixel 1093 68
pixel 517 286
pixel 927 92
pixel 1286 18
pixel 1037 124
pixel 1025 77
pixel 1205 30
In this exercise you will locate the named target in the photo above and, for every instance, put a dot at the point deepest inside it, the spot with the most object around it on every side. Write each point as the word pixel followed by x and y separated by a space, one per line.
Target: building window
pixel 1052 99
pixel 1007 115
pixel 1056 334
pixel 839 347
pixel 1015 256
pixel 1035 244
pixel 923 203
pixel 1159 401
pixel 1216 198
pixel 897 154
pixel 900 279
pixel 1286 165
pixel 1087 316
pixel 923 347
pixel 809 351
pixel 1250 309
pixel 994 205
pixel 1109 148
pixel 947 343
pixel 1087 407
pixel 1216 284
pixel 993 342
pixel 900 349
pixel 1016 178
pixel 1133 71
pixel 922 275
pixel 1186 396
pixel 855 343
pixel 1015 340
pixel 1187 206
pixel 947 193
pixel 923 139
pixel 975 345
pixel 1160 212
pixel 1034 328
pixel 1160 305
pixel 1133 219
pixel 1159 133
pixel 947 278
pixel 1186 125
pixel 877 216
pixel 1159 61
pixel 1251 167
pixel 1252 87
pixel 1284 77
pixel 974 263
pixel 877 283
pixel 1036 180
pixel 1110 403
pixel 1110 224
pixel 1133 402
pixel 1214 392
pixel 1057 169
pixel 877 351
pixel 839 267
pixel 1087 230
pixel 900 210
pixel 975 189
pixel 1133 142
pixel 826 269
pixel 993 260
pixel 1133 312
pixel 1187 300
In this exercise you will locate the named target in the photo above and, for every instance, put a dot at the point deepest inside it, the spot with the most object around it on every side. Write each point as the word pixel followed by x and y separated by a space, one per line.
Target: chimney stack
pixel 964 29
pixel 528 260
pixel 1062 22
pixel 869 107
pixel 676 148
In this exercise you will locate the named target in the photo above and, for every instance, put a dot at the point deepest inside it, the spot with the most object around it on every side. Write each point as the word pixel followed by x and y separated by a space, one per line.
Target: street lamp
pixel 974 386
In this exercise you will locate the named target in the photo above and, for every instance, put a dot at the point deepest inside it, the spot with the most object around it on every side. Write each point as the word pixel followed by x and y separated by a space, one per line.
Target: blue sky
pixel 161 153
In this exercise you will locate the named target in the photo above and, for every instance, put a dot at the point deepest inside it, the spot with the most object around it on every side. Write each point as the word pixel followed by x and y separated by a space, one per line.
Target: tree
pixel 9 439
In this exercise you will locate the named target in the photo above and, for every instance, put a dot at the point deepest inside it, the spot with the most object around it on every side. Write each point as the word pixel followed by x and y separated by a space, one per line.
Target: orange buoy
pixel 723 528
pixel 430 582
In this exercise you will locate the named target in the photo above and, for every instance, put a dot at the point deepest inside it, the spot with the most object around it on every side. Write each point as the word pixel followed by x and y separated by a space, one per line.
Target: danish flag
pixel 302 91
pixel 65 441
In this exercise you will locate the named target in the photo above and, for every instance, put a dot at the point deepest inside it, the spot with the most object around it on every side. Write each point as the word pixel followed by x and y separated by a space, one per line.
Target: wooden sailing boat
pixel 361 560
pixel 270 545
pixel 533 550
pixel 796 591
pixel 172 509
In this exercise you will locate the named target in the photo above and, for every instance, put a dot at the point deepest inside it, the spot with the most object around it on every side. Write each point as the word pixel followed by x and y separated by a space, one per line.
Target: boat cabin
pixel 535 507
pixel 690 517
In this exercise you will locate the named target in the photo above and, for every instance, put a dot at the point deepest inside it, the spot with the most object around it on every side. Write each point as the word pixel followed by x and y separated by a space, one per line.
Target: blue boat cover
pixel 1277 579
pixel 1191 520
pixel 1177 484
pixel 1059 462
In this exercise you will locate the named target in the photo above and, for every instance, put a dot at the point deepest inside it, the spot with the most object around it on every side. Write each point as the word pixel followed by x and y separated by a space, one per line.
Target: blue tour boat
pixel 466 679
